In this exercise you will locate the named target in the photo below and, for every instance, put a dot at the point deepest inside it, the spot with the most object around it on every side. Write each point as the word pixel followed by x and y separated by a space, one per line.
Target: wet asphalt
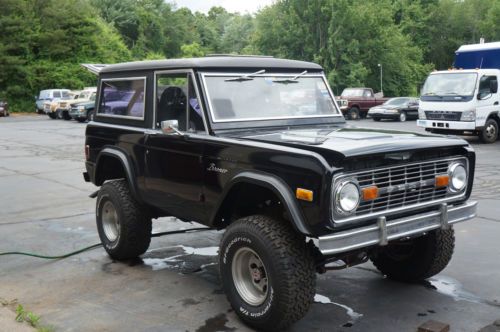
pixel 44 208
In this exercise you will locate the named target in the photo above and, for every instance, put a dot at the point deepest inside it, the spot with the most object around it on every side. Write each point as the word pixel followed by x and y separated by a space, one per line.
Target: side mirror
pixel 170 127
pixel 493 86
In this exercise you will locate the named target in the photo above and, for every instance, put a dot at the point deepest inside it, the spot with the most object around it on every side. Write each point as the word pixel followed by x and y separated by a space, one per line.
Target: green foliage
pixel 43 42
pixel 192 50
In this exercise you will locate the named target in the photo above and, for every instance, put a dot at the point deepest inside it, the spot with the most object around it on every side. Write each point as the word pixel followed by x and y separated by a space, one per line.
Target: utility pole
pixel 381 75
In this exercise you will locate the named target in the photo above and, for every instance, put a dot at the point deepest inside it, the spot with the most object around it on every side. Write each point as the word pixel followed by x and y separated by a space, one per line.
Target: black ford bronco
pixel 258 146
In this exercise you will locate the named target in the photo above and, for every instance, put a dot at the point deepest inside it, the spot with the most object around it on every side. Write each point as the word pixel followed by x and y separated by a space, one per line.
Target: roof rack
pixel 240 55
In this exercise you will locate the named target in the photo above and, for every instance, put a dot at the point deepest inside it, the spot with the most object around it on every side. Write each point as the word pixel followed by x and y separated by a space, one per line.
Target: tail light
pixel 87 152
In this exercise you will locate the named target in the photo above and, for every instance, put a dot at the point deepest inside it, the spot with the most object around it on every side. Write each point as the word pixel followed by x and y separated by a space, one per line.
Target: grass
pixel 24 316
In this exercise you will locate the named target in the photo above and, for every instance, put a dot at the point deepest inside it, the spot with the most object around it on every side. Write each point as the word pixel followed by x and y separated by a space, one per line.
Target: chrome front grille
pixel 443 115
pixel 400 188
pixel 403 185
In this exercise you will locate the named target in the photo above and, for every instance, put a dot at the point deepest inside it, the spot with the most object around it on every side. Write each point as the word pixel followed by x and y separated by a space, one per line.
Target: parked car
pixel 4 108
pixel 219 141
pixel 84 111
pixel 63 107
pixel 355 102
pixel 53 108
pixel 48 96
pixel 400 108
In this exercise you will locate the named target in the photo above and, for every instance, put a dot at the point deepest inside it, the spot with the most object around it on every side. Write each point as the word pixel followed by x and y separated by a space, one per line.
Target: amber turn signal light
pixel 442 181
pixel 369 193
pixel 304 194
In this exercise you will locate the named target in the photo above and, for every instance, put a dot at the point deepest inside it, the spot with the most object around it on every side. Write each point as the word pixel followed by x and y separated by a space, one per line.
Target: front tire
pixel 91 116
pixel 52 115
pixel 489 134
pixel 376 119
pixel 416 259
pixel 402 117
pixel 353 113
pixel 267 272
pixel 122 223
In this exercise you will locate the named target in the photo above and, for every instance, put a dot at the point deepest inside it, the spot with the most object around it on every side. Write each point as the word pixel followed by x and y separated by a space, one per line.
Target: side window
pixel 56 94
pixel 367 93
pixel 484 85
pixel 176 99
pixel 122 98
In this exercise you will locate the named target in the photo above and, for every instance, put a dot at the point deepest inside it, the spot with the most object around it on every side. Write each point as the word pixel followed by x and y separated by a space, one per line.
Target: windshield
pixel 397 101
pixel 84 95
pixel 352 93
pixel 243 98
pixel 450 84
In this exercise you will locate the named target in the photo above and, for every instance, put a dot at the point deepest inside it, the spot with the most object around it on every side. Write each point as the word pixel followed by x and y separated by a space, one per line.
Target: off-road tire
pixel 52 115
pixel 428 255
pixel 134 229
pixel 288 263
pixel 353 113
pixel 489 134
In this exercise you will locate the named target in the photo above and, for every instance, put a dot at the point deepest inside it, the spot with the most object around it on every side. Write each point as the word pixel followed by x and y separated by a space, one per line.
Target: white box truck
pixel 464 100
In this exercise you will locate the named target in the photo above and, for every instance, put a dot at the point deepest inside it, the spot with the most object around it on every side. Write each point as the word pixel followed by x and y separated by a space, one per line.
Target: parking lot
pixel 45 209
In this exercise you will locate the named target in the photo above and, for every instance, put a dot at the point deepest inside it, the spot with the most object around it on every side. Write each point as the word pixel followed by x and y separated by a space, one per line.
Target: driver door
pixel 174 172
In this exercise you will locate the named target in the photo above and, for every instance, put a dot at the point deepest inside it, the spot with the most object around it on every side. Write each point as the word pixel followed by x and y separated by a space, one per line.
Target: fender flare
pixel 277 186
pixel 127 166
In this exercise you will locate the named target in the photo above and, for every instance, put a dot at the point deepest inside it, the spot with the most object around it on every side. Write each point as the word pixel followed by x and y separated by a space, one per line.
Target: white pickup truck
pixel 462 101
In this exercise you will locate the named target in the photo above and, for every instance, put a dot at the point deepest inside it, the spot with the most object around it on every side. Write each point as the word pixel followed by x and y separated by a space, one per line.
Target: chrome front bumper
pixel 384 231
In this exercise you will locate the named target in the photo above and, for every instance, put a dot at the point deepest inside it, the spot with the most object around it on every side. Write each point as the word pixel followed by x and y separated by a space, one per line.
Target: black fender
pixel 127 164
pixel 277 186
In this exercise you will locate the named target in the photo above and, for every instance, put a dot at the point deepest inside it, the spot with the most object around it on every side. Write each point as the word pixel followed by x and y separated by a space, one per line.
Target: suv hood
pixel 351 141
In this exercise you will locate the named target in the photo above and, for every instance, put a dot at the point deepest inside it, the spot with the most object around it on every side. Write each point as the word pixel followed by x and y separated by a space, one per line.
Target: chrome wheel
pixel 250 276
pixel 110 221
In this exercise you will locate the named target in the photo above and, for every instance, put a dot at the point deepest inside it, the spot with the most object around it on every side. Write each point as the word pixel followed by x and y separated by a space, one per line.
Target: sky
pixel 241 6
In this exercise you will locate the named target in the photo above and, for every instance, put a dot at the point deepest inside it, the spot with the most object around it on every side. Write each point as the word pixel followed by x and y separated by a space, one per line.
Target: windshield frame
pixel 320 75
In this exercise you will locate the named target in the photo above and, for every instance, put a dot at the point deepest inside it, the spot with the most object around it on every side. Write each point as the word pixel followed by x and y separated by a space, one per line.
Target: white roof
pixel 478 47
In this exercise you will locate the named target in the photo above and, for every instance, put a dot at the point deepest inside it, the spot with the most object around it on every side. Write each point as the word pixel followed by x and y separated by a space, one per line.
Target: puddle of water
pixel 208 251
pixel 451 287
pixel 162 263
pixel 350 312
pixel 173 261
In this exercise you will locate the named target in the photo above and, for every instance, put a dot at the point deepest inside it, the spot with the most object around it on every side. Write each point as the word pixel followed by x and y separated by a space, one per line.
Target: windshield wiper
pixel 246 77
pixel 291 80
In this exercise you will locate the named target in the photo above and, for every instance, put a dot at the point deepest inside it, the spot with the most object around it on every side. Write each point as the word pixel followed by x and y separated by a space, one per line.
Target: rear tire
pixel 267 272
pixel 66 116
pixel 52 115
pixel 376 119
pixel 416 259
pixel 122 223
pixel 353 113
pixel 489 134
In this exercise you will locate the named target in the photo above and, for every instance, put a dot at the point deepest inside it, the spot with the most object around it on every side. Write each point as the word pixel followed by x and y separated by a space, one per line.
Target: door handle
pixel 495 103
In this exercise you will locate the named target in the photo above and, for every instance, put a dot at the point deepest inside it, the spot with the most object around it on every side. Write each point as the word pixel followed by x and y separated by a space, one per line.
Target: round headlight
pixel 458 177
pixel 347 196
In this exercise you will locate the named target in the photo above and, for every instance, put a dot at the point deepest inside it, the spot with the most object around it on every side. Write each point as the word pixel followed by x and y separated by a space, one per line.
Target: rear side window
pixel 122 98
pixel 57 94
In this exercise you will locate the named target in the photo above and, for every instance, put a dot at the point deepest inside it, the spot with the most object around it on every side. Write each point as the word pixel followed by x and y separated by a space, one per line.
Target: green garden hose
pixel 97 245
